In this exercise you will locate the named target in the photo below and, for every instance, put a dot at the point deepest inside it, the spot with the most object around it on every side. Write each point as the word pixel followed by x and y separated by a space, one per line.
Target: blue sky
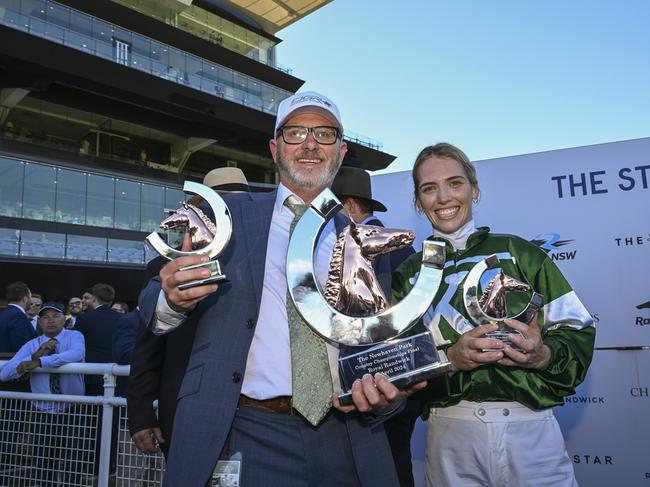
pixel 495 77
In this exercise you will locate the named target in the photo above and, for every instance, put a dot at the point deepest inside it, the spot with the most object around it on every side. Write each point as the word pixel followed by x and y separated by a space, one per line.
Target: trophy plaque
pixel 208 238
pixel 491 306
pixel 352 311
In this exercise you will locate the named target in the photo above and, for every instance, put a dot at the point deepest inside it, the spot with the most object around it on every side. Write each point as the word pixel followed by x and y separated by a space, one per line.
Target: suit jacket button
pixel 236 377
pixel 250 323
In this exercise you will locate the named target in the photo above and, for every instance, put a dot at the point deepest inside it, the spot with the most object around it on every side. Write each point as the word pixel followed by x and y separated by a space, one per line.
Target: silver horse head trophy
pixel 491 306
pixel 208 238
pixel 353 311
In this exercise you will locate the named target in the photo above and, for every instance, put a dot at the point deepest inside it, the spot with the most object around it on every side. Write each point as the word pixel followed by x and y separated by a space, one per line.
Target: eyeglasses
pixel 74 303
pixel 296 134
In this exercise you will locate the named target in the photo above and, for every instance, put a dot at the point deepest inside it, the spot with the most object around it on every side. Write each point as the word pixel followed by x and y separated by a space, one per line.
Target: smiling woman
pixel 493 383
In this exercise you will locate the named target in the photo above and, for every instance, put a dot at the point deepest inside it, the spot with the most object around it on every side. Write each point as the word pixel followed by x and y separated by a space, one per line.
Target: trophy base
pixel 405 361
pixel 504 336
pixel 215 275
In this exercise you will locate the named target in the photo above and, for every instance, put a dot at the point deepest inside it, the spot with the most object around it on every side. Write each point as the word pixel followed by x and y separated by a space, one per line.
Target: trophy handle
pixel 223 223
pixel 322 317
pixel 474 310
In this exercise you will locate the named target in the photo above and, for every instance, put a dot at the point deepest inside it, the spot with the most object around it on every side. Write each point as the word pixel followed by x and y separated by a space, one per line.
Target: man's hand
pixel 27 365
pixel 376 394
pixel 468 352
pixel 147 440
pixel 537 355
pixel 171 277
pixel 46 348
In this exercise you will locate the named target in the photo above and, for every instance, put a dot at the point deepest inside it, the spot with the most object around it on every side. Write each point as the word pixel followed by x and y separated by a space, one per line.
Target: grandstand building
pixel 106 107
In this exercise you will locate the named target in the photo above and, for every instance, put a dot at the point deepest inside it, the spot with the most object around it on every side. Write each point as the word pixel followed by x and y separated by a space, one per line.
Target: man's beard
pixel 311 180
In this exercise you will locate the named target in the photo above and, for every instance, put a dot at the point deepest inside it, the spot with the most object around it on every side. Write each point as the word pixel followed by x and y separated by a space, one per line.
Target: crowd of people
pixel 245 385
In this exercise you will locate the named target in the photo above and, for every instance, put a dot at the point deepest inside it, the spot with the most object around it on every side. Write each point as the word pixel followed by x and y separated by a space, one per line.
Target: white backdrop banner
pixel 589 209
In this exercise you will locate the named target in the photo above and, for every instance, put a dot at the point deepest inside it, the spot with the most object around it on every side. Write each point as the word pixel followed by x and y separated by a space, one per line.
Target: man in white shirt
pixel 238 397
pixel 55 429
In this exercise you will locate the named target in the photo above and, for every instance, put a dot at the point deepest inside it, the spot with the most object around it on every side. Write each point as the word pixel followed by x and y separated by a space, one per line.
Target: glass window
pixel 141 53
pixel 42 244
pixel 173 198
pixel 37 9
pixel 71 197
pixel 193 67
pixel 100 201
pixel 9 238
pixel 160 58
pixel 129 251
pixel 86 248
pixel 153 207
pixel 11 187
pixel 127 204
pixel 176 69
pixel 57 18
pixel 39 192
pixel 102 36
pixel 80 31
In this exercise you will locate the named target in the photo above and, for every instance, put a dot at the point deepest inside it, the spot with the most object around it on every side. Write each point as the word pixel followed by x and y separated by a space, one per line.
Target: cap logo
pixel 310 98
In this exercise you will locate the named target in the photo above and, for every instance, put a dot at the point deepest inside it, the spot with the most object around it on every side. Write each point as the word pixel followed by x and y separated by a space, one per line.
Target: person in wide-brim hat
pixel 355 182
pixel 226 179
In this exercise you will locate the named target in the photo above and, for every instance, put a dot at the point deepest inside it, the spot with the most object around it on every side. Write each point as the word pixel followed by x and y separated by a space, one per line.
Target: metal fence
pixel 85 443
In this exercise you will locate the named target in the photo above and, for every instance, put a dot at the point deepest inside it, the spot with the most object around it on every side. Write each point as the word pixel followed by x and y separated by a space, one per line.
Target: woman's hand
pixel 537 355
pixel 473 349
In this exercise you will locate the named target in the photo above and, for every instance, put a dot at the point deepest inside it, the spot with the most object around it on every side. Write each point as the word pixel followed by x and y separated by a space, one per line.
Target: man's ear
pixel 273 147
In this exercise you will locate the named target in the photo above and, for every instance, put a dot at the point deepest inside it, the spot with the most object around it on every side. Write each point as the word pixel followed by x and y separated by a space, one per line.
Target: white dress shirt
pixel 70 348
pixel 268 367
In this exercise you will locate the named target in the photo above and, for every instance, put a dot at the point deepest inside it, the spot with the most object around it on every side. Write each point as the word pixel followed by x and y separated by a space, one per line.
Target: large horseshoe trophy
pixel 491 306
pixel 371 342
pixel 208 238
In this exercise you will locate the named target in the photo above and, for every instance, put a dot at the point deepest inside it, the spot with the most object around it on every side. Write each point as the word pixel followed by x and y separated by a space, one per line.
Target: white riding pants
pixel 500 444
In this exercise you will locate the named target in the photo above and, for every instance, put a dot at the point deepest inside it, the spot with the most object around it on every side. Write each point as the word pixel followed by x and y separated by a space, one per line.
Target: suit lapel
pixel 255 217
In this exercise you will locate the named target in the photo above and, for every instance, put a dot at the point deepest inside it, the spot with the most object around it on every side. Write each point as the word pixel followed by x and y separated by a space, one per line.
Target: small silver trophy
pixel 491 306
pixel 353 311
pixel 208 238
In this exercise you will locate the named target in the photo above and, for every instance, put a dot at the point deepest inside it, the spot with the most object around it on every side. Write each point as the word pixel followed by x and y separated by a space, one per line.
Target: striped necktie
pixel 55 380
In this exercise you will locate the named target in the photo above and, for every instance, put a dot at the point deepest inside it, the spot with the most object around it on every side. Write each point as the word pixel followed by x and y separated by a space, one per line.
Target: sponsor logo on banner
pixel 591 459
pixel 632 240
pixel 644 318
pixel 551 243
pixel 584 400
pixel 640 392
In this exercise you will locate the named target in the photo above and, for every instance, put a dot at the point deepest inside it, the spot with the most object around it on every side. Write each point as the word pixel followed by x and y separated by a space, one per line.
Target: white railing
pixel 48 448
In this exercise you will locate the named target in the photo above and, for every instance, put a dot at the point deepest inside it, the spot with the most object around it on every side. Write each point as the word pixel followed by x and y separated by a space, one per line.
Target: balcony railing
pixel 77 30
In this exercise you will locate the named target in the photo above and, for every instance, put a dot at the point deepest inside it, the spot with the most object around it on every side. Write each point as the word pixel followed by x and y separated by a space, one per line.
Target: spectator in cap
pixel 55 432
pixel 353 187
pixel 247 361
pixel 55 347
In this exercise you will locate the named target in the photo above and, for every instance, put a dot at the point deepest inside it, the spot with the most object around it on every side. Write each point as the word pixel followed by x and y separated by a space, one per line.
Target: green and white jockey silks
pixel 566 325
